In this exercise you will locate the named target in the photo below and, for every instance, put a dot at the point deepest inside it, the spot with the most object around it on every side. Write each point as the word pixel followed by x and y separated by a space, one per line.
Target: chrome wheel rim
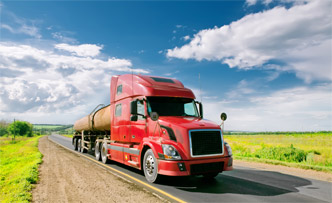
pixel 103 154
pixel 150 165
pixel 97 152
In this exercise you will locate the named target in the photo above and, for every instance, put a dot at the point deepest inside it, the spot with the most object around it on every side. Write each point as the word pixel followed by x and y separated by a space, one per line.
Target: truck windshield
pixel 172 106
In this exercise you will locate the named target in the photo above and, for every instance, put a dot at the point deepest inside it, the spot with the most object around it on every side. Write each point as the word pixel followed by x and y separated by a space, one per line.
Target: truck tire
pixel 75 144
pixel 103 153
pixel 210 175
pixel 150 167
pixel 97 151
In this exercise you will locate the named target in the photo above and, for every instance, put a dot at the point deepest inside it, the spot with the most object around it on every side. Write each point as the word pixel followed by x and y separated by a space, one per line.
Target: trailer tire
pixel 97 151
pixel 150 167
pixel 79 145
pixel 75 144
pixel 103 153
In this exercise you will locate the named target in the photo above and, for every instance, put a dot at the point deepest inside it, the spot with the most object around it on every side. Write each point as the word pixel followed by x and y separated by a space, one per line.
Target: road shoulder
pixel 67 177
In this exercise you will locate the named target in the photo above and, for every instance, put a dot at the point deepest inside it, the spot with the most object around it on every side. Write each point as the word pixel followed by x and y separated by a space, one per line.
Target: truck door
pixel 138 128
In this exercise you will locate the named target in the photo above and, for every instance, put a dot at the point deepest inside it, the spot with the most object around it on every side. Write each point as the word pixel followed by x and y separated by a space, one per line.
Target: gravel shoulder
pixel 67 177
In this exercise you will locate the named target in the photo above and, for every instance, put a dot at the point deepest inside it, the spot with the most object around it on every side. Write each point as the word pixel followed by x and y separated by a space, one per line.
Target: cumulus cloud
pixel 299 37
pixel 80 50
pixel 46 80
pixel 294 109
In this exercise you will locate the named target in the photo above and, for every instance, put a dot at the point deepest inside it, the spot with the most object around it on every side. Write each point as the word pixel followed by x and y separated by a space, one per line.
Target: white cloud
pixel 251 2
pixel 21 26
pixel 186 38
pixel 61 36
pixel 81 50
pixel 44 81
pixel 299 36
pixel 243 88
pixel 294 109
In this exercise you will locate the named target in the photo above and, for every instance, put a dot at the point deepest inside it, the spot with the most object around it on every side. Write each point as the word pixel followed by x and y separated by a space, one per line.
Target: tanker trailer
pixel 96 124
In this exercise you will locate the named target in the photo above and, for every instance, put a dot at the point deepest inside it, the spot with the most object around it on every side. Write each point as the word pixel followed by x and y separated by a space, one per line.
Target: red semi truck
pixel 154 124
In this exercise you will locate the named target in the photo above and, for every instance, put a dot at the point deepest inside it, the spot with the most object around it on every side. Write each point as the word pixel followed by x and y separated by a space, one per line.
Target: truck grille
pixel 206 168
pixel 205 142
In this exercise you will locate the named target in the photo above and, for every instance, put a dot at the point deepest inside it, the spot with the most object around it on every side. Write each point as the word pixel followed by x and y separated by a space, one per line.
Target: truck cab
pixel 157 126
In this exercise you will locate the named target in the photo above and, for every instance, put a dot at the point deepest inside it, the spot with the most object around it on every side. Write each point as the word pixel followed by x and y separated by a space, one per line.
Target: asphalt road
pixel 240 185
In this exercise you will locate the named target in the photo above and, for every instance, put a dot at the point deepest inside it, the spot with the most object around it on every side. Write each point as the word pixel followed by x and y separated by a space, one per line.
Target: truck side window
pixel 119 90
pixel 140 109
pixel 118 110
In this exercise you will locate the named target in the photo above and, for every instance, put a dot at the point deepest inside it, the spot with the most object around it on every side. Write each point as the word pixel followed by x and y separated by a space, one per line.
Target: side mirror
pixel 154 116
pixel 223 116
pixel 133 118
pixel 133 107
pixel 200 106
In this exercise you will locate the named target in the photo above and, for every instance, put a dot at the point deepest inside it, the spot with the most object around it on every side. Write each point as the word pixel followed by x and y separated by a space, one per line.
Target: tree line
pixel 19 128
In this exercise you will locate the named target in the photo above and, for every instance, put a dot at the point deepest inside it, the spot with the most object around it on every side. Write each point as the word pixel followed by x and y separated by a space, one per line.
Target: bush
pixel 288 154
pixel 3 128
pixel 20 128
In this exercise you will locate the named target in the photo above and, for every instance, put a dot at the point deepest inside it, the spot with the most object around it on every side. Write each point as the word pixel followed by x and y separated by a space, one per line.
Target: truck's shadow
pixel 262 183
pixel 236 185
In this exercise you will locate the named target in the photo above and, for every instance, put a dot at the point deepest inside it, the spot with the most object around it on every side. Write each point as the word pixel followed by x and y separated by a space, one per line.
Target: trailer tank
pixel 99 120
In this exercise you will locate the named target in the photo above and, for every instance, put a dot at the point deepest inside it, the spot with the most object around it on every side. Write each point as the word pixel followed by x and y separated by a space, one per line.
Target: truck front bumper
pixel 194 167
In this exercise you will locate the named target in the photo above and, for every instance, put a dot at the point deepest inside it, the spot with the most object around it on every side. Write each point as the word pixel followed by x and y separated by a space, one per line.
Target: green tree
pixel 20 128
pixel 3 128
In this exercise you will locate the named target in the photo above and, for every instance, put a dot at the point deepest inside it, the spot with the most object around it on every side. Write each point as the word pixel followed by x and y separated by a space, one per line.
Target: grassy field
pixel 18 168
pixel 45 129
pixel 309 150
pixel 67 135
pixel 41 126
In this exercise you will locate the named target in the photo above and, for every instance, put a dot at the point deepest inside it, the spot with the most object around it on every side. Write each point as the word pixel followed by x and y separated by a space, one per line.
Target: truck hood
pixel 187 122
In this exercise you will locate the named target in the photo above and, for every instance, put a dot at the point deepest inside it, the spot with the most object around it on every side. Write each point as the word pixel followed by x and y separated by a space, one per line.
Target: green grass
pixel 18 168
pixel 66 135
pixel 309 151
pixel 50 127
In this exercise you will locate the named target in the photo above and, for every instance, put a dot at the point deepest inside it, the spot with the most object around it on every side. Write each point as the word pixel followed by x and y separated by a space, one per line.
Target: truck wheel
pixel 150 167
pixel 210 175
pixel 103 153
pixel 79 145
pixel 75 144
pixel 97 151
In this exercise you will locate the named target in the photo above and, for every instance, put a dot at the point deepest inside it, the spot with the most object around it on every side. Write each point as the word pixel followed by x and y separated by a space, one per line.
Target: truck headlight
pixel 229 149
pixel 170 152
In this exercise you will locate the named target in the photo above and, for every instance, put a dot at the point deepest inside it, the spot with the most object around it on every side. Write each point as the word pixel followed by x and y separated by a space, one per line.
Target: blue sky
pixel 266 63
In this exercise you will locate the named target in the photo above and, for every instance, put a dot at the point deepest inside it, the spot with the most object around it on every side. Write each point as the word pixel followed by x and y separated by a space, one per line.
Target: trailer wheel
pixel 97 151
pixel 79 145
pixel 150 167
pixel 75 144
pixel 103 153
pixel 210 175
